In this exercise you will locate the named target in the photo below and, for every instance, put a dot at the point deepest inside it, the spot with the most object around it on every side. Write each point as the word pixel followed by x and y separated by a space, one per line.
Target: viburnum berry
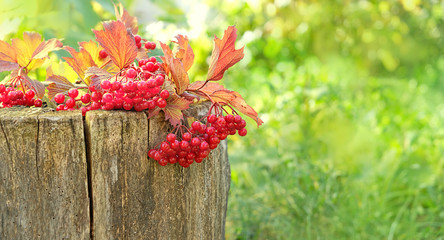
pixel 164 94
pixel 86 98
pixel 73 92
pixel 131 73
pixel 137 38
pixel 103 54
pixel 59 98
pixel 105 84
pixel 38 102
pixel 29 93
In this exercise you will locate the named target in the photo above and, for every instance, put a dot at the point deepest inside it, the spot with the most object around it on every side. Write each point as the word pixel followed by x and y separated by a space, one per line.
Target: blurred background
pixel 351 93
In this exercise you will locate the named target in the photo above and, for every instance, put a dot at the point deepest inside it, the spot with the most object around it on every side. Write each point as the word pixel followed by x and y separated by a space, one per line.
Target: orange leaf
pixel 217 93
pixel 7 53
pixel 59 84
pixel 80 62
pixel 45 47
pixel 117 42
pixel 123 15
pixel 26 47
pixel 185 53
pixel 176 68
pixel 173 110
pixel 93 49
pixel 224 54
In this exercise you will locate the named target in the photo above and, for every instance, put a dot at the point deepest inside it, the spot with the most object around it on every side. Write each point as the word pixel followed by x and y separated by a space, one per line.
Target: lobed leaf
pixel 80 62
pixel 176 68
pixel 224 54
pixel 45 47
pixel 173 110
pixel 123 16
pixel 59 84
pixel 185 53
pixel 117 42
pixel 35 85
pixel 97 76
pixel 8 66
pixel 217 93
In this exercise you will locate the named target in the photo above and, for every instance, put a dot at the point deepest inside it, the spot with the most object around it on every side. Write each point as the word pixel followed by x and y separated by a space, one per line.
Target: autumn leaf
pixel 185 53
pixel 8 66
pixel 176 68
pixel 80 62
pixel 27 52
pixel 117 42
pixel 59 84
pixel 173 110
pixel 217 93
pixel 224 54
pixel 35 85
pixel 97 76
pixel 123 16
pixel 93 49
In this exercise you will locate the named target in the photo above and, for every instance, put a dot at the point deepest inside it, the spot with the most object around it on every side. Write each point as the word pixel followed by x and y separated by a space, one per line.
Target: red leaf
pixel 35 85
pixel 176 68
pixel 185 53
pixel 224 54
pixel 117 42
pixel 80 62
pixel 123 15
pixel 217 93
pixel 59 85
pixel 97 76
pixel 173 110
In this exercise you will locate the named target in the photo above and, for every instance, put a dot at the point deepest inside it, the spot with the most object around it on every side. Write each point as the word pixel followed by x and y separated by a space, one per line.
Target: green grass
pixel 341 160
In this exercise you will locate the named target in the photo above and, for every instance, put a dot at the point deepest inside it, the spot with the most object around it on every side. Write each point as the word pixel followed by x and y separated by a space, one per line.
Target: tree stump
pixel 68 177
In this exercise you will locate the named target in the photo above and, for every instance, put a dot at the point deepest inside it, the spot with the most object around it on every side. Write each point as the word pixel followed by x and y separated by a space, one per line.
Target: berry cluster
pixel 11 97
pixel 198 141
pixel 138 87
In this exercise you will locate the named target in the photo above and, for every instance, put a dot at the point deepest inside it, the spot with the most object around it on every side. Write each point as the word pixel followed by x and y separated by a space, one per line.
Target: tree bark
pixel 68 177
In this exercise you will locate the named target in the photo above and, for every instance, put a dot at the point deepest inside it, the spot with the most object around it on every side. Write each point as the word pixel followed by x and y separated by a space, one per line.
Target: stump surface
pixel 68 177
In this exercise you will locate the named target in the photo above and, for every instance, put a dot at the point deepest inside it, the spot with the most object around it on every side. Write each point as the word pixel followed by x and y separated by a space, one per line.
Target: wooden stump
pixel 68 177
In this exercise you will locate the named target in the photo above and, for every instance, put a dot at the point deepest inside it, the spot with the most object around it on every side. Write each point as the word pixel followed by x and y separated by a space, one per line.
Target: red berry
pixel 139 45
pixel 86 98
pixel 106 84
pixel 60 107
pixel 70 103
pixel 131 73
pixel 211 118
pixel 161 103
pixel 171 137
pixel 195 141
pixel 38 102
pixel 96 96
pixel 137 38
pixel 184 144
pixel 186 136
pixel 103 54
pixel 242 132
pixel 164 94
pixel 29 94
pixel 73 92
pixel 211 131
pixel 59 98
pixel 237 119
pixel 151 153
pixel 2 88
pixel 204 145
pixel 107 98
pixel 159 80
pixel 116 85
